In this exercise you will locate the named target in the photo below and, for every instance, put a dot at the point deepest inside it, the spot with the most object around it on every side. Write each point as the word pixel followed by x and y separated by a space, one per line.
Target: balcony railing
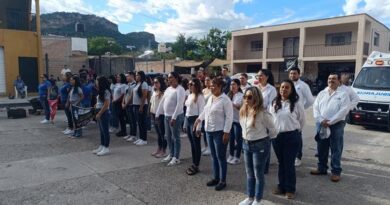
pixel 247 55
pixel 282 52
pixel 318 50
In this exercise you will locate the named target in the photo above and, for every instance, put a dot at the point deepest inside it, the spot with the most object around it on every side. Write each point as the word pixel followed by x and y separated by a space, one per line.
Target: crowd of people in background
pixel 250 120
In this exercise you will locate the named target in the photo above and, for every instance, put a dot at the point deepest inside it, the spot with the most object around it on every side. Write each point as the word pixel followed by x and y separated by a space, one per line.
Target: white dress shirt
pixel 269 94
pixel 353 97
pixel 243 88
pixel 119 90
pixel 137 100
pixel 237 100
pixel 304 92
pixel 218 114
pixel 285 120
pixel 333 107
pixel 194 108
pixel 172 103
pixel 264 126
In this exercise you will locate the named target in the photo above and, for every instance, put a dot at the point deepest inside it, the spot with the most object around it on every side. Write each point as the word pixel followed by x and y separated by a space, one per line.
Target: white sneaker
pixel 136 142
pixel 132 138
pixel 126 137
pixel 45 121
pixel 173 162
pixel 98 149
pixel 103 152
pixel 257 202
pixel 112 130
pixel 69 132
pixel 184 135
pixel 206 152
pixel 230 159
pixel 204 149
pixel 298 162
pixel 167 158
pixel 246 201
pixel 141 143
pixel 66 130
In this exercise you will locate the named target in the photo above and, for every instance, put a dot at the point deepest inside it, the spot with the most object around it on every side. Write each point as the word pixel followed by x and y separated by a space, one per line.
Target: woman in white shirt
pixel 140 106
pixel 235 143
pixel 218 116
pixel 195 105
pixel 206 94
pixel 268 91
pixel 257 130
pixel 289 118
pixel 158 93
pixel 118 94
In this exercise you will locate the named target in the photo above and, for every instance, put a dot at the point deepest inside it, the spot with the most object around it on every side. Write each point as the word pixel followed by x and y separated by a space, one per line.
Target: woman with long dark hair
pixel 257 129
pixel 140 106
pixel 218 117
pixel 103 116
pixel 158 93
pixel 195 104
pixel 75 97
pixel 235 145
pixel 117 98
pixel 206 94
pixel 289 116
pixel 114 123
pixel 64 96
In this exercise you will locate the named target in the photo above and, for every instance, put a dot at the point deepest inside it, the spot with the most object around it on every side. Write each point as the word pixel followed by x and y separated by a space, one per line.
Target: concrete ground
pixel 39 165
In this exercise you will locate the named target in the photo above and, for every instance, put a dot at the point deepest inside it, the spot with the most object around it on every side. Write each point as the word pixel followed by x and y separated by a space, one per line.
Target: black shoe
pixel 212 182
pixel 120 134
pixel 220 186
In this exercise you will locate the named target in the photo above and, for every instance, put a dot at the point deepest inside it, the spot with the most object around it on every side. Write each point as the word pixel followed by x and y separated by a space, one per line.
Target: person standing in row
pixel 128 106
pixel 218 117
pixel 75 97
pixel 344 86
pixel 64 96
pixel 244 82
pixel 155 100
pixel 114 122
pixel 226 79
pixel 269 93
pixel 171 106
pixel 289 116
pixel 118 95
pixel 195 104
pixel 43 91
pixel 329 110
pixel 257 128
pixel 235 143
pixel 103 115
pixel 53 100
pixel 306 99
pixel 140 106
pixel 206 94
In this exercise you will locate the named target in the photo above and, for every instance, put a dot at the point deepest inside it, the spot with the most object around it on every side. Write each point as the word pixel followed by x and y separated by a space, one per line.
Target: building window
pixel 256 45
pixel 338 39
pixel 376 39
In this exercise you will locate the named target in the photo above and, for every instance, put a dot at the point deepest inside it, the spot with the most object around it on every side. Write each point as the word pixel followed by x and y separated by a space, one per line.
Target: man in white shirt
pixel 329 110
pixel 127 104
pixel 244 82
pixel 344 86
pixel 305 98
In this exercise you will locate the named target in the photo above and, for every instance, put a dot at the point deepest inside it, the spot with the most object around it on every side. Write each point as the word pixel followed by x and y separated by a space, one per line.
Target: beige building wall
pixel 155 66
pixel 317 35
pixel 275 39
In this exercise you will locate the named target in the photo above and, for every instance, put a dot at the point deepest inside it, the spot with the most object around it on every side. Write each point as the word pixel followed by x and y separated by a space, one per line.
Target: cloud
pixel 48 6
pixel 378 8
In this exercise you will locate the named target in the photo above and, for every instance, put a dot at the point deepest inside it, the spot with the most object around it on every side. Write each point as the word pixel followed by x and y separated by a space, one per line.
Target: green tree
pixel 102 45
pixel 186 48
pixel 214 44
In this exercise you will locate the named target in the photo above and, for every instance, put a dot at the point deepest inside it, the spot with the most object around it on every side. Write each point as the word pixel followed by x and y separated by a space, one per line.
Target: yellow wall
pixel 17 44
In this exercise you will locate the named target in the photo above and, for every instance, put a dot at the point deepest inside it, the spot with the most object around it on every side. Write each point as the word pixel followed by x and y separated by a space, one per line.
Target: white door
pixel 2 71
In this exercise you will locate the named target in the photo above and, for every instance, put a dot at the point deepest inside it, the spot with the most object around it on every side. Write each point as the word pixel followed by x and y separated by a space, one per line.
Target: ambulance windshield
pixel 373 78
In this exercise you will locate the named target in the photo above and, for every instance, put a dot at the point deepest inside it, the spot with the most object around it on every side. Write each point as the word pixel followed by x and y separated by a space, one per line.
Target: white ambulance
pixel 372 85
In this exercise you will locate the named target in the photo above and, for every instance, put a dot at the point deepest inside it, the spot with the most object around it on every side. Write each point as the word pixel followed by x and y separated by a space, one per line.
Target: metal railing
pixel 247 54
pixel 17 20
pixel 318 50
pixel 282 52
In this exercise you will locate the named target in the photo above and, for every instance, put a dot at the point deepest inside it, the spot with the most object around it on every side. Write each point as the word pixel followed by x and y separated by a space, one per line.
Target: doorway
pixel 28 71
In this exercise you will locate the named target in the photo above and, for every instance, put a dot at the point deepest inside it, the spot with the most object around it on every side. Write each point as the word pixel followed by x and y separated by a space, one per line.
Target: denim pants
pixel 300 146
pixel 68 115
pixel 335 143
pixel 140 118
pixel 286 148
pixel 235 143
pixel 268 161
pixel 172 134
pixel 132 120
pixel 103 124
pixel 78 131
pixel 121 115
pixel 218 154
pixel 196 149
pixel 255 156
pixel 114 121
pixel 45 106
pixel 160 130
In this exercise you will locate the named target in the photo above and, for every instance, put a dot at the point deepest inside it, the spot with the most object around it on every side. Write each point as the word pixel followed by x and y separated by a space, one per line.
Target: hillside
pixel 64 24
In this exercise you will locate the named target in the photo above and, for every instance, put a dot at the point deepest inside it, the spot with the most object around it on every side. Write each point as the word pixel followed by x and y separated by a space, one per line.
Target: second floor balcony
pixel 322 50
pixel 247 55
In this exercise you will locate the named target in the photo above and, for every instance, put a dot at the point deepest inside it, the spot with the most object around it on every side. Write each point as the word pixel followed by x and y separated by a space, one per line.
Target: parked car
pixel 251 78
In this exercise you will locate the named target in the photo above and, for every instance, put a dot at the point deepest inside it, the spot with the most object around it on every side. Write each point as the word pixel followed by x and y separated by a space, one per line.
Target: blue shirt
pixel 87 92
pixel 64 91
pixel 43 88
pixel 19 84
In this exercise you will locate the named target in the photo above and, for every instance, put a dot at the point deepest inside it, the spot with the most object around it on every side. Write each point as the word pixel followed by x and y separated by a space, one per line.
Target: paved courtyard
pixel 39 165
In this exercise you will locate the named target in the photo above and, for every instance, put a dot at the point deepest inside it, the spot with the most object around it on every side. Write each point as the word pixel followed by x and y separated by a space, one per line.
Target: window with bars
pixel 338 39
pixel 256 45
pixel 376 39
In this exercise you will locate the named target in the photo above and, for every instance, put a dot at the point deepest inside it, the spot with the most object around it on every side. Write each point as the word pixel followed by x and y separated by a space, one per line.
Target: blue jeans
pixel 235 143
pixel 335 143
pixel 300 146
pixel 78 131
pixel 160 130
pixel 114 121
pixel 103 124
pixel 132 122
pixel 172 134
pixel 256 155
pixel 45 106
pixel 196 149
pixel 286 148
pixel 218 154
pixel 68 114
pixel 140 118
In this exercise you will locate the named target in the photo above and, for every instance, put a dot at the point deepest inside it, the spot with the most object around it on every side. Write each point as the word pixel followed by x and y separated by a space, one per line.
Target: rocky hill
pixel 64 24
